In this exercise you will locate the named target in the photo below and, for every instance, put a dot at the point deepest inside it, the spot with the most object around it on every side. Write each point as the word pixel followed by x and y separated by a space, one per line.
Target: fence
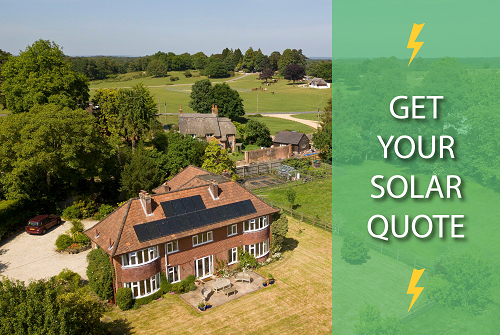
pixel 418 311
pixel 257 169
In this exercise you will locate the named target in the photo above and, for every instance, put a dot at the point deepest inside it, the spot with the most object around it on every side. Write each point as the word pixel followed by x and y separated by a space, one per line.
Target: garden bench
pixel 242 276
pixel 229 290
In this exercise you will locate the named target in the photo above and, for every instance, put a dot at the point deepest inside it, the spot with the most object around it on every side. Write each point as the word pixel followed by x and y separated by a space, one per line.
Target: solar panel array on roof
pixel 183 214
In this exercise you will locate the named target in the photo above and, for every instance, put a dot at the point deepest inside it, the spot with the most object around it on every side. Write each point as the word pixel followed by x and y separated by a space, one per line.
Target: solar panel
pixel 190 213
pixel 141 232
pixel 168 209
pixel 164 228
pixel 178 206
pixel 153 230
pixel 188 204
pixel 198 203
pixel 174 224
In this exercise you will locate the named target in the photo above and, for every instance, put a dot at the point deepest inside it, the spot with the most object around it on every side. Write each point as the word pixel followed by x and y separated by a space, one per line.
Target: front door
pixel 204 267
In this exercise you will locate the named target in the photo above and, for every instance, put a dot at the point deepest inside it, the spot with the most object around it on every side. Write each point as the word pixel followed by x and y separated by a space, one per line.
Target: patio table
pixel 221 284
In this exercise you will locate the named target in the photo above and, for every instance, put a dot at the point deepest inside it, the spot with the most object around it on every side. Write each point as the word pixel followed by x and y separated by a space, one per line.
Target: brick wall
pixel 269 154
pixel 187 254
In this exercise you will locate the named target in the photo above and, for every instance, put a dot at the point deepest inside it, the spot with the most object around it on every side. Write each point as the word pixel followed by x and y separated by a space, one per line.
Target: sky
pixel 138 28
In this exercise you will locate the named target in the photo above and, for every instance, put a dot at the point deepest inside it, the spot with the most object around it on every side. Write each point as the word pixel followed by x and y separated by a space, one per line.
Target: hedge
pixel 124 298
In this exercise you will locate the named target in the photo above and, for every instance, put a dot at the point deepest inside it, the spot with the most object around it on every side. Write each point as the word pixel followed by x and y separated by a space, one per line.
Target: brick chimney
pixel 180 110
pixel 226 174
pixel 145 199
pixel 214 189
pixel 215 111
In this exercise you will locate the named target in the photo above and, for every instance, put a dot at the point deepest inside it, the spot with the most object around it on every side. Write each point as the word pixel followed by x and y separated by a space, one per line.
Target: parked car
pixel 41 223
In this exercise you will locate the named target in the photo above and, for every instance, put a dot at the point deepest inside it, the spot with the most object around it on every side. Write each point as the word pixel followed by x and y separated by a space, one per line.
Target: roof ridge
pixel 121 229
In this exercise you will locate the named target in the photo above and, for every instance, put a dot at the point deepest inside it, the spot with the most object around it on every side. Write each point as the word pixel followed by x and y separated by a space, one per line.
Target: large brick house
pixel 209 126
pixel 196 218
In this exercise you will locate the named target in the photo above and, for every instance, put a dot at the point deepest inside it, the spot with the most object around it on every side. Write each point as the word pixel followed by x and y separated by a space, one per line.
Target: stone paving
pixel 216 299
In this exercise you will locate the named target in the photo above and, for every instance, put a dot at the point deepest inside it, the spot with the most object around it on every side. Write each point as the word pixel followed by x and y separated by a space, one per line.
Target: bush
pixel 149 298
pixel 174 78
pixel 100 274
pixel 187 74
pixel 247 261
pixel 76 227
pixel 71 213
pixel 81 238
pixel 63 242
pixel 165 284
pixel 86 205
pixel 279 229
pixel 353 249
pixel 104 210
pixel 69 277
pixel 185 285
pixel 124 298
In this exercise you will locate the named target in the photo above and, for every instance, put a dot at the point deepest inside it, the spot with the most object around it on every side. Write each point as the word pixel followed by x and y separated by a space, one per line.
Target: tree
pixel 142 173
pixel 216 68
pixel 370 322
pixel 107 115
pixel 353 249
pixel 181 152
pixel 266 74
pixel 237 56
pixel 324 70
pixel 217 160
pixel 100 273
pixel 199 60
pixel 204 95
pixel 279 229
pixel 157 68
pixel 248 60
pixel 46 152
pixel 41 75
pixel 322 138
pixel 48 307
pixel 258 133
pixel 291 56
pixel 351 76
pixel 4 56
pixel 137 113
pixel 294 72
pixel 290 195
pixel 462 280
pixel 274 59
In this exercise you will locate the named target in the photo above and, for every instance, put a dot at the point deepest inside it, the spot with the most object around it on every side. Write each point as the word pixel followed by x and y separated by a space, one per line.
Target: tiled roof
pixel 184 176
pixel 288 137
pixel 119 226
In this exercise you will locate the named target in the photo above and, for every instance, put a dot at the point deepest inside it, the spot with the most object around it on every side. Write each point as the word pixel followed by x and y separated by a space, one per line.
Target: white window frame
pixel 174 247
pixel 232 230
pixel 258 250
pixel 210 265
pixel 205 238
pixel 233 252
pixel 172 269
pixel 256 224
pixel 133 257
pixel 154 286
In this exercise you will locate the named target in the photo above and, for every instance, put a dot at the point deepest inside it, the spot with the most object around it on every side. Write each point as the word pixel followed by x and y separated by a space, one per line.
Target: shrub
pixel 165 284
pixel 174 78
pixel 149 298
pixel 185 285
pixel 63 242
pixel 100 274
pixel 279 229
pixel 86 206
pixel 81 238
pixel 247 260
pixel 124 298
pixel 353 249
pixel 187 74
pixel 104 210
pixel 76 227
pixel 71 212
pixel 69 277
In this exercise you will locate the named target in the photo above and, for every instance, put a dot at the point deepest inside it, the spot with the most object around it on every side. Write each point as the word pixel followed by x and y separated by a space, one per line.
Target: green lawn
pixel 311 116
pixel 275 124
pixel 299 302
pixel 313 198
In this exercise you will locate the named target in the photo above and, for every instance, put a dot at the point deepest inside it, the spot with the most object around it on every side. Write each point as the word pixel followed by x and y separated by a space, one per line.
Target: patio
pixel 218 298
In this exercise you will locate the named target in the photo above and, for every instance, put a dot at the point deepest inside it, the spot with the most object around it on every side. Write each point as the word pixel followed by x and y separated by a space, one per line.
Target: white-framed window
pixel 145 287
pixel 172 247
pixel 204 267
pixel 202 238
pixel 140 257
pixel 256 224
pixel 173 274
pixel 232 256
pixel 232 229
pixel 259 249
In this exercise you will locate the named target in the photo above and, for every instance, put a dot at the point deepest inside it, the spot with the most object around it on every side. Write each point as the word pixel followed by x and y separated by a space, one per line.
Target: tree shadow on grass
pixel 118 327
pixel 358 262
pixel 289 244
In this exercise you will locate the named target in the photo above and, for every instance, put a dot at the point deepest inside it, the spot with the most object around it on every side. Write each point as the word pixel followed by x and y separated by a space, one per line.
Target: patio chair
pixel 205 292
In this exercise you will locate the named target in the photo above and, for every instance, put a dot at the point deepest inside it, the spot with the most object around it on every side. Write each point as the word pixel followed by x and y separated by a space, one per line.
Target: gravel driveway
pixel 26 257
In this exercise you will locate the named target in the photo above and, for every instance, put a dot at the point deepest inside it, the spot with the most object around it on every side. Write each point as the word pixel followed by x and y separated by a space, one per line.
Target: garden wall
pixel 269 154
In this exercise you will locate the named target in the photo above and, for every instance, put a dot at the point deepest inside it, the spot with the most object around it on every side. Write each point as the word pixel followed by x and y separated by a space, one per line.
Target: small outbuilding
pixel 299 141
pixel 319 83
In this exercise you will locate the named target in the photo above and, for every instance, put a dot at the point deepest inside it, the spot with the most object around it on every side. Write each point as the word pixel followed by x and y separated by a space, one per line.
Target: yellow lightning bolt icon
pixel 413 36
pixel 415 276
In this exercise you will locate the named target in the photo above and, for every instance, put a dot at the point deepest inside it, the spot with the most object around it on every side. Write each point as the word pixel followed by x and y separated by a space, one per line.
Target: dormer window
pixel 209 135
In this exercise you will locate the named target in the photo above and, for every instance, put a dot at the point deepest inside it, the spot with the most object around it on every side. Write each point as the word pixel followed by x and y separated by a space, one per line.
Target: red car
pixel 41 223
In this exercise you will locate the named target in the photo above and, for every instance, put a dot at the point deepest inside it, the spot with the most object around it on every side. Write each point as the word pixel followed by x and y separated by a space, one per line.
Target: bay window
pixel 145 287
pixel 140 257
pixel 257 250
pixel 256 224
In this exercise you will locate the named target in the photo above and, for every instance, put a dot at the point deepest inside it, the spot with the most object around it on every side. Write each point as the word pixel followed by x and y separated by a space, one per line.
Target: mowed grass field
pixel 313 198
pixel 286 97
pixel 300 302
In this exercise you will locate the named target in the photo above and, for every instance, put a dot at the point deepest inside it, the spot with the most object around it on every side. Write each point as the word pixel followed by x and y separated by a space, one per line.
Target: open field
pixel 478 204
pixel 299 302
pixel 286 97
pixel 312 116
pixel 313 198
